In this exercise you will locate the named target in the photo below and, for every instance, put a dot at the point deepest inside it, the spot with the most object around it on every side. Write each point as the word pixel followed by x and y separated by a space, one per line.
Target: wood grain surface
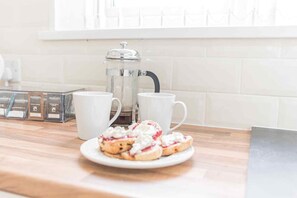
pixel 43 160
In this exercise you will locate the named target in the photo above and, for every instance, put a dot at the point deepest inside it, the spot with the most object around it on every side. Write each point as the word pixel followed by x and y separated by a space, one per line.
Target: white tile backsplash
pixel 206 74
pixel 32 13
pixel 19 40
pixel 269 77
pixel 84 69
pixel 247 48
pixel 63 47
pixel 7 14
pixel 241 111
pixel 174 48
pixel 287 113
pixel 289 48
pixel 162 67
pixel 195 103
pixel 220 80
pixel 42 68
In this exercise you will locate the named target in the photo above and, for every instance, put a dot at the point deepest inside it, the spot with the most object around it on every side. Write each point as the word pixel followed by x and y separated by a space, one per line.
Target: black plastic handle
pixel 155 79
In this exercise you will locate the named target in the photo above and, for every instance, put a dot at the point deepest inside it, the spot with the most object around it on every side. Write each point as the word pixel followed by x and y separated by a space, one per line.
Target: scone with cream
pixel 115 141
pixel 175 142
pixel 145 148
pixel 146 127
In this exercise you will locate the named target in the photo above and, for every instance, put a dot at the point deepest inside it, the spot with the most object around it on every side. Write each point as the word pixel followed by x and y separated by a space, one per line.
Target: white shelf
pixel 169 33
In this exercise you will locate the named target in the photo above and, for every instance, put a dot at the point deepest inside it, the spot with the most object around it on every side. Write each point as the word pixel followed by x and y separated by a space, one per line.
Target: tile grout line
pixel 205 108
pixel 171 73
pixel 278 111
pixel 240 77
pixel 63 70
pixel 280 51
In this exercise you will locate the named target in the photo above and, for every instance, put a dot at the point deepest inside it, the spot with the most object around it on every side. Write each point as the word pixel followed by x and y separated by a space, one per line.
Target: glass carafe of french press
pixel 122 80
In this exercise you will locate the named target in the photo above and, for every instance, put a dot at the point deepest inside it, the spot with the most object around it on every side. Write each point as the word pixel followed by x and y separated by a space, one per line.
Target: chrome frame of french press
pixel 124 55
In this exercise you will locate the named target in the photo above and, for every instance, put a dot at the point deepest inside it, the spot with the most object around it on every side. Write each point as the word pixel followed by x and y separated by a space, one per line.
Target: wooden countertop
pixel 43 159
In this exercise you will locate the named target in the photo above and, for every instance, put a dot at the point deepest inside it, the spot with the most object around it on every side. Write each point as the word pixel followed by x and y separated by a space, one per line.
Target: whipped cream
pixel 145 129
pixel 142 142
pixel 150 122
pixel 132 126
pixel 133 133
pixel 117 132
pixel 175 137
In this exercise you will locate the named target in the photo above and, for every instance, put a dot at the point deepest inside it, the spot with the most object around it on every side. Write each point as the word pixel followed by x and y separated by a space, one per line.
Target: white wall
pixel 233 83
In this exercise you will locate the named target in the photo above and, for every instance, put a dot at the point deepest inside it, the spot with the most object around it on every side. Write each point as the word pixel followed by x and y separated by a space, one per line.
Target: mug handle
pixel 118 111
pixel 185 114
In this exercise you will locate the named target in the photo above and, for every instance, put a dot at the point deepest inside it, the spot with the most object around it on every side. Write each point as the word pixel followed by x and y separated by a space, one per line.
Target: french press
pixel 122 70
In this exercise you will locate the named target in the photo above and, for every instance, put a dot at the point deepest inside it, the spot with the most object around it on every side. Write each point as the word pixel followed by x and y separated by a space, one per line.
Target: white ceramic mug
pixel 92 110
pixel 158 107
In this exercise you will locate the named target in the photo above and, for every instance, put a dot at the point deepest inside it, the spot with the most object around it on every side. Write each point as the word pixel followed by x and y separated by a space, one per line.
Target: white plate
pixel 90 150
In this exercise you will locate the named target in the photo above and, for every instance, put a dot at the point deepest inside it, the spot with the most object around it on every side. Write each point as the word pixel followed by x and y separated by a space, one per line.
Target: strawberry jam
pixel 136 125
pixel 158 134
pixel 111 139
pixel 170 145
pixel 173 143
pixel 147 148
